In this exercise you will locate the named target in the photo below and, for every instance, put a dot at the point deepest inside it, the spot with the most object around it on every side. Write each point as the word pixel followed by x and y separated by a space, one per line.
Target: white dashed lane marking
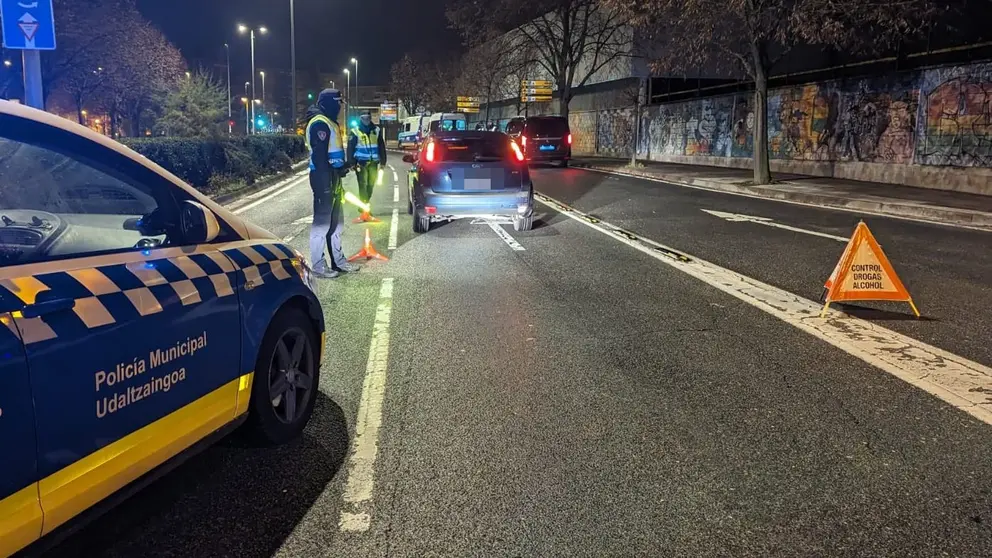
pixel 394 227
pixel 355 515
pixel 509 240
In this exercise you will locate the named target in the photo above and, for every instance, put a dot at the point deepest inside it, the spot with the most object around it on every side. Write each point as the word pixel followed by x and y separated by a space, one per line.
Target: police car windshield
pixel 35 178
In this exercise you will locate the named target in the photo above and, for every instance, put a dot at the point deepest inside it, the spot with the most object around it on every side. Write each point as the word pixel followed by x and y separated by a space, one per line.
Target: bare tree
pixel 490 71
pixel 82 83
pixel 139 74
pixel 407 81
pixel 572 40
pixel 752 35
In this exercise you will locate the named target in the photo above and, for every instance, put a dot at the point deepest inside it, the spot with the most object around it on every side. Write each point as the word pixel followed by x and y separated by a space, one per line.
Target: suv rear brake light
pixel 523 140
pixel 569 139
pixel 430 152
pixel 516 150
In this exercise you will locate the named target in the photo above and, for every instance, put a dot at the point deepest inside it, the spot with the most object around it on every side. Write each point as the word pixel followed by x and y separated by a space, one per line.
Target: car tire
pixel 421 223
pixel 564 163
pixel 409 206
pixel 523 223
pixel 269 422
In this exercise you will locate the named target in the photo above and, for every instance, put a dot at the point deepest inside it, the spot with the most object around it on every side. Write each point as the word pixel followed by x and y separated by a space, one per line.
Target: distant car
pixel 542 138
pixel 469 174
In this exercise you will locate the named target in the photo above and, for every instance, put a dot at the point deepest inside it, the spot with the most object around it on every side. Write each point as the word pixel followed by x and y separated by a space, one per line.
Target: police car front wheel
pixel 286 377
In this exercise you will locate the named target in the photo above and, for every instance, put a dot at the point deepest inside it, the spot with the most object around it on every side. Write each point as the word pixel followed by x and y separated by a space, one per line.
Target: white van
pixel 412 130
pixel 446 122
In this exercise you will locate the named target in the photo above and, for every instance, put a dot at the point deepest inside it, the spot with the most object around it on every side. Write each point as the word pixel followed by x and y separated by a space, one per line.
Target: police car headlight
pixel 306 271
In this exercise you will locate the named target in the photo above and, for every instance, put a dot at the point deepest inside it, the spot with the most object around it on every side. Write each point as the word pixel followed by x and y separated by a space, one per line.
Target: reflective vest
pixel 368 144
pixel 335 151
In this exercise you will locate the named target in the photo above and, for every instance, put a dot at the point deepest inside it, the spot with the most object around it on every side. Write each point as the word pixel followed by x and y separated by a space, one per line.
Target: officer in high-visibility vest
pixel 327 168
pixel 367 148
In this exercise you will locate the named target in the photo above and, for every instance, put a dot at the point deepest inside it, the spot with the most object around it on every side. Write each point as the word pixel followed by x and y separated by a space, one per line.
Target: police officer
pixel 327 168
pixel 367 148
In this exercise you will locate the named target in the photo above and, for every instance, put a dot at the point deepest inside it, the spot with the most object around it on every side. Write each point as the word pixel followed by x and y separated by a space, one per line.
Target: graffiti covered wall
pixel 936 117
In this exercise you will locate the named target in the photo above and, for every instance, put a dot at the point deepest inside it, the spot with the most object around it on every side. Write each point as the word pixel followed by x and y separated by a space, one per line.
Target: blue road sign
pixel 28 24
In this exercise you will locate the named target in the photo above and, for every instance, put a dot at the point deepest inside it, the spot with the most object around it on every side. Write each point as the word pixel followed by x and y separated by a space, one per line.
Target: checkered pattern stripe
pixel 123 292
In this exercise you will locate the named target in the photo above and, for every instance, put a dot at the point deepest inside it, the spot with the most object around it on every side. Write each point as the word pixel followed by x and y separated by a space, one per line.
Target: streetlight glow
pixel 263 30
pixel 244 100
pixel 8 63
pixel 242 28
pixel 347 71
pixel 354 61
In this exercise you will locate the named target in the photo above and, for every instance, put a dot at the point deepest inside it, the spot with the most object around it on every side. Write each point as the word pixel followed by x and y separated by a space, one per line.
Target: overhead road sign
pixel 864 273
pixel 28 24
pixel 541 83
pixel 535 98
pixel 539 91
pixel 467 104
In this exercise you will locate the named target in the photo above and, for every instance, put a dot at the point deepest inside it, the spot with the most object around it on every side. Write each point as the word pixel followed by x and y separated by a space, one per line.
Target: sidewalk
pixel 900 201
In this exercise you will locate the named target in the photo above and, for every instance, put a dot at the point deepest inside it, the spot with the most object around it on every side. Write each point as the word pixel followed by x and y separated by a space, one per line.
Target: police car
pixel 140 321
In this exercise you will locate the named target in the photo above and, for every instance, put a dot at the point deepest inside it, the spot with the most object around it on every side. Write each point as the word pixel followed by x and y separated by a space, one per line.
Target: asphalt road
pixel 579 398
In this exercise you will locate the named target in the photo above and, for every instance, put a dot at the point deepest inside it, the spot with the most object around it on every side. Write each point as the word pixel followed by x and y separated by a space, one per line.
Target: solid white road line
pixel 827 207
pixel 364 447
pixel 509 240
pixel 394 228
pixel 271 192
pixel 958 381
pixel 767 221
pixel 396 193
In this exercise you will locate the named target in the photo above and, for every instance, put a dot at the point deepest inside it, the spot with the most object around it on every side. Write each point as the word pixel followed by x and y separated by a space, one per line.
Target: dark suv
pixel 543 138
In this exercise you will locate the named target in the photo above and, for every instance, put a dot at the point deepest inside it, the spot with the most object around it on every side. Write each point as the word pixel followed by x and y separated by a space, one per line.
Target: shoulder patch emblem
pixel 322 135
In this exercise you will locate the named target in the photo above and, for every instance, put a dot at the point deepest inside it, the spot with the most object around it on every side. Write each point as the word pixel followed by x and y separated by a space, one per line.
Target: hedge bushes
pixel 208 164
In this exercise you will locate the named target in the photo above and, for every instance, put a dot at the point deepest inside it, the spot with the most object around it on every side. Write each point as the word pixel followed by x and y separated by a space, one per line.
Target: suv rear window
pixel 556 127
pixel 469 149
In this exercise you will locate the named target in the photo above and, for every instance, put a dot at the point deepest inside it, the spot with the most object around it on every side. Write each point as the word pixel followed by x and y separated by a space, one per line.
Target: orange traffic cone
pixel 368 251
pixel 366 217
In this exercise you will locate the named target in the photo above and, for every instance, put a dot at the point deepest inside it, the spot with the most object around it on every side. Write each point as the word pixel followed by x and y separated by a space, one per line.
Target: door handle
pixel 48 307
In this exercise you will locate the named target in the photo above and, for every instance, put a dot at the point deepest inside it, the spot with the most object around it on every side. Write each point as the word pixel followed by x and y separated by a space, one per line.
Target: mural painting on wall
pixel 720 126
pixel 583 128
pixel 956 117
pixel 871 120
pixel 615 131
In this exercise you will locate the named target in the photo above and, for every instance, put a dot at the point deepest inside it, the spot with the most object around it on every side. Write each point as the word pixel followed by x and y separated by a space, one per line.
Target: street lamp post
pixel 247 115
pixel 263 87
pixel 230 125
pixel 292 50
pixel 347 115
pixel 355 62
pixel 251 34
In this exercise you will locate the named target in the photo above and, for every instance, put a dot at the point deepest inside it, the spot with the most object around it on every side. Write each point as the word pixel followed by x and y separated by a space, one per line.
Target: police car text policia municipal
pixel 127 370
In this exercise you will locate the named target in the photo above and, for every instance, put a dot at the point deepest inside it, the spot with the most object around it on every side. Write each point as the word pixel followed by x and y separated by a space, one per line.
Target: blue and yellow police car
pixel 140 321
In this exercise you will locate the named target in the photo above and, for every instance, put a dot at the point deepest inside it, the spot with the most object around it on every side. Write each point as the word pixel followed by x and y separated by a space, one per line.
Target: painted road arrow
pixel 768 222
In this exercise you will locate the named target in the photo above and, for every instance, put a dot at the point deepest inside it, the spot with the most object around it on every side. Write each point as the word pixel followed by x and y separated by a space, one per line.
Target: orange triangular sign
pixel 864 273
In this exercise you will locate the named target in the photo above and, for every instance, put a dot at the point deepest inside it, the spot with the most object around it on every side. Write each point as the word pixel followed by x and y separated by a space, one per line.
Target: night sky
pixel 328 32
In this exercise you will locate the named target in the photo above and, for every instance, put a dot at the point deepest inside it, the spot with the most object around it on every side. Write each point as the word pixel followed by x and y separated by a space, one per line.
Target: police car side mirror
pixel 409 159
pixel 199 223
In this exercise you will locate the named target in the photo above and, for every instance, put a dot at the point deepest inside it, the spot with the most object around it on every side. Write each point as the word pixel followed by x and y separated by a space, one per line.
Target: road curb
pixel 892 207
